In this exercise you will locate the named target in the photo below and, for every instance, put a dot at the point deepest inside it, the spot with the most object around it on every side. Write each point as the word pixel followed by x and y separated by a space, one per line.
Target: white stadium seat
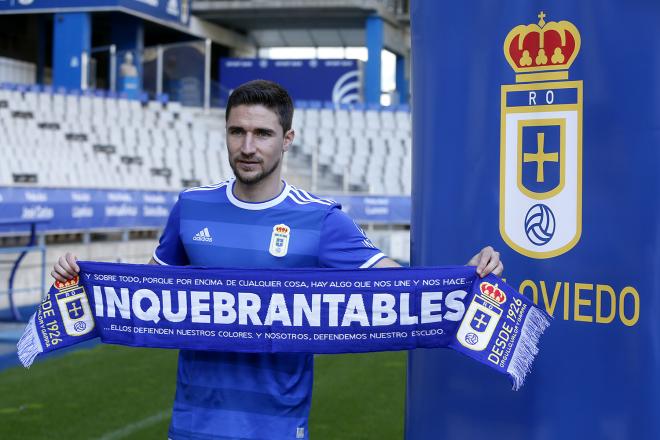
pixel 71 140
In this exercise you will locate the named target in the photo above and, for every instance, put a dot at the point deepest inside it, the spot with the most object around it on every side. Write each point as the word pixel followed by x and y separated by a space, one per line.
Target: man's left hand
pixel 487 261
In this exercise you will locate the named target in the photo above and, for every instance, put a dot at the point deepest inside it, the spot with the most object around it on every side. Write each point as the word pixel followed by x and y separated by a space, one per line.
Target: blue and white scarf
pixel 291 310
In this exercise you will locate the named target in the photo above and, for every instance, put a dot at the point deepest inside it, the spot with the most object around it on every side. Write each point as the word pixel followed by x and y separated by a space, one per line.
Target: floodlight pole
pixel 113 67
pixel 207 74
pixel 84 70
pixel 159 70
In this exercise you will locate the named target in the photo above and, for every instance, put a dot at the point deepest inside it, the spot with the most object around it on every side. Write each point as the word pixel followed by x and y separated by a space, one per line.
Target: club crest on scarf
pixel 74 307
pixel 481 318
pixel 541 141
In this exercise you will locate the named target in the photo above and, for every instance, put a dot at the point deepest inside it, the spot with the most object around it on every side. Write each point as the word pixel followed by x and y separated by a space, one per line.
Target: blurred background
pixel 109 108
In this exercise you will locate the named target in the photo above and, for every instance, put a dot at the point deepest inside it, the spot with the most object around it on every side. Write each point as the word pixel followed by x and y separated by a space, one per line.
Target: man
pixel 256 220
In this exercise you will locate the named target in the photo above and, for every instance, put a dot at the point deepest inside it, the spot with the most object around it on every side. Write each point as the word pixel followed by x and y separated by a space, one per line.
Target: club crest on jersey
pixel 541 141
pixel 481 318
pixel 74 307
pixel 279 240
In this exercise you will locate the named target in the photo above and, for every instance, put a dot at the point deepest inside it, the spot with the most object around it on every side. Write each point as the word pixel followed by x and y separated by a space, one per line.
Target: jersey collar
pixel 259 205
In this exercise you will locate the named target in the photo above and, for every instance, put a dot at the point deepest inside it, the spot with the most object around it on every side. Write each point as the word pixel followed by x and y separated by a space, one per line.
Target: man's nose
pixel 248 146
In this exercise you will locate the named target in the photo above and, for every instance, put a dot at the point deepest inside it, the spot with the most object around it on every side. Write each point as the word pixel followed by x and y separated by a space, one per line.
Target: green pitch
pixel 111 392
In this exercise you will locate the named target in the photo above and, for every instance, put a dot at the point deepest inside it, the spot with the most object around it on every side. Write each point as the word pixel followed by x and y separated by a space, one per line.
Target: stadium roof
pixel 301 23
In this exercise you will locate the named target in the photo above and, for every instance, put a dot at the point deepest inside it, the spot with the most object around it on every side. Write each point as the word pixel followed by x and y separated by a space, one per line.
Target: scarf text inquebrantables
pixel 291 310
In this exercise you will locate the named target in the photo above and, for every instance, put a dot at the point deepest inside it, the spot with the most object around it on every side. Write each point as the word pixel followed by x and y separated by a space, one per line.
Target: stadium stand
pixel 369 149
pixel 96 141
pixel 99 140
pixel 17 71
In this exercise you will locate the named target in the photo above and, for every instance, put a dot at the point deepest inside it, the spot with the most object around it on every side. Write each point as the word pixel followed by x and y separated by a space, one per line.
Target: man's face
pixel 255 143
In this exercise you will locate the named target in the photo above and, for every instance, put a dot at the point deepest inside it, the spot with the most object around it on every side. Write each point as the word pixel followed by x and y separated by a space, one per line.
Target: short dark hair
pixel 267 93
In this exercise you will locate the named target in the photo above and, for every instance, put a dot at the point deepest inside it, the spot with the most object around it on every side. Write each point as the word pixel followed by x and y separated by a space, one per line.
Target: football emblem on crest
pixel 279 240
pixel 541 141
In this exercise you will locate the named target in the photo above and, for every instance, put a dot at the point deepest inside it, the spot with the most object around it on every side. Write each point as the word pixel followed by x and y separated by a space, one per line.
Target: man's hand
pixel 66 268
pixel 487 261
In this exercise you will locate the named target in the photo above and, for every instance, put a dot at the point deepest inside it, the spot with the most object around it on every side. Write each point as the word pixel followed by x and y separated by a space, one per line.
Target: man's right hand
pixel 66 268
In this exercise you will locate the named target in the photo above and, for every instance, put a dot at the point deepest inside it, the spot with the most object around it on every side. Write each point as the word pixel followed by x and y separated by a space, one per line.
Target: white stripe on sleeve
pixel 159 261
pixel 373 260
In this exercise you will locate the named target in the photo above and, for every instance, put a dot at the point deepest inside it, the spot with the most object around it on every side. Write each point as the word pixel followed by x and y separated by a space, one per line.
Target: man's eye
pixel 261 133
pixel 235 131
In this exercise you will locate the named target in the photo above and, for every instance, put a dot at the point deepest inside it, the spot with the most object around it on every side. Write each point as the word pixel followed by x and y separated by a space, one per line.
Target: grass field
pixel 111 392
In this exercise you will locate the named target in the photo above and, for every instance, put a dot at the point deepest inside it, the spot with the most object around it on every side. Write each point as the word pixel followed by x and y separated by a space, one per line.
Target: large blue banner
pixel 177 11
pixel 376 209
pixel 338 81
pixel 84 209
pixel 88 209
pixel 552 106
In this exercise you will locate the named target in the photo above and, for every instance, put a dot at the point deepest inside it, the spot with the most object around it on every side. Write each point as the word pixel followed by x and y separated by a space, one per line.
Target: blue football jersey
pixel 252 395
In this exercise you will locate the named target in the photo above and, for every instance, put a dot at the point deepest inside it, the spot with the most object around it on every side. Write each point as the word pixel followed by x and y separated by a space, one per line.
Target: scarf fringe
pixel 29 345
pixel 526 350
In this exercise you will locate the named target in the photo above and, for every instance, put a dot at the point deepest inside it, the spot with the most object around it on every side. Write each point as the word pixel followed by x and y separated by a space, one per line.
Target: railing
pixel 180 70
pixel 32 246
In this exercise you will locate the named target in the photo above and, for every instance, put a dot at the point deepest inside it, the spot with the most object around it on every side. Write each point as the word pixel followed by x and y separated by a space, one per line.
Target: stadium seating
pixel 369 149
pixel 98 140
pixel 17 71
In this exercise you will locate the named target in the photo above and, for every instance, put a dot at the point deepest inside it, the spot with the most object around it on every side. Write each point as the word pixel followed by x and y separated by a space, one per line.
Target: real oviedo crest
pixel 74 307
pixel 541 141
pixel 481 318
pixel 279 240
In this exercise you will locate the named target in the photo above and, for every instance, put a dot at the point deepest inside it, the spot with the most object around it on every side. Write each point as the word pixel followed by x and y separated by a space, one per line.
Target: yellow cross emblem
pixel 540 157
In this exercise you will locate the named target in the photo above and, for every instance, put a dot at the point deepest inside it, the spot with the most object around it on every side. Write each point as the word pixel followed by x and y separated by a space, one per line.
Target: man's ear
pixel 288 139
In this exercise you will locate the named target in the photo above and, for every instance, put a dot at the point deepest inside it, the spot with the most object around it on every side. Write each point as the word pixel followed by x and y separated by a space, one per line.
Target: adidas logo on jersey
pixel 203 235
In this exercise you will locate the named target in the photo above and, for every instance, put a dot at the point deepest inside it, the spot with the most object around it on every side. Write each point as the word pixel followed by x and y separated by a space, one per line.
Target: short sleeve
pixel 170 250
pixel 344 244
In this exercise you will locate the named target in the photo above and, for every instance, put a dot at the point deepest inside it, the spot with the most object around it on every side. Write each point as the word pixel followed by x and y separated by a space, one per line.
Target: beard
pixel 252 179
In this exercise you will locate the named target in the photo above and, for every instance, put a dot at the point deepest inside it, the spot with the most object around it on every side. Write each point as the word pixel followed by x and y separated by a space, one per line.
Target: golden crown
pixel 59 285
pixel 492 293
pixel 546 46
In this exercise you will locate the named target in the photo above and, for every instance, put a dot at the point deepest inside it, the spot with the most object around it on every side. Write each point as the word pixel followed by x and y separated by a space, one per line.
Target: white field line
pixel 134 427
